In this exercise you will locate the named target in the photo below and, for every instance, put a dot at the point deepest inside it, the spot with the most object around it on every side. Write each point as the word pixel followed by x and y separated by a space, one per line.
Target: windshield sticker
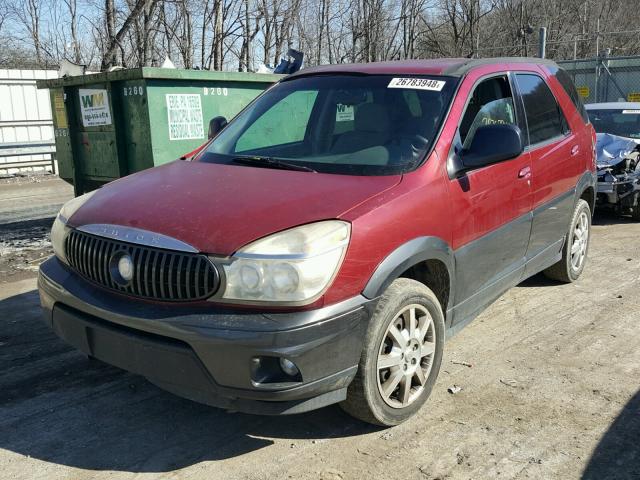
pixel 185 116
pixel 632 112
pixel 344 113
pixel 417 83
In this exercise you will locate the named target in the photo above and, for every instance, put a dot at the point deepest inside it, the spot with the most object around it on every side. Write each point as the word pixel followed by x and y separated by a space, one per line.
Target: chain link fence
pixel 606 79
pixel 604 66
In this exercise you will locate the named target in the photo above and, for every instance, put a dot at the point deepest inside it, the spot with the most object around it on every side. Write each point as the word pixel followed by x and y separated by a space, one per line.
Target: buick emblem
pixel 121 268
pixel 125 267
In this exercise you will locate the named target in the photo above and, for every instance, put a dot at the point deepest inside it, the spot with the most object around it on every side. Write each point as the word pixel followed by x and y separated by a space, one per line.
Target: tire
pixel 415 366
pixel 566 270
pixel 635 213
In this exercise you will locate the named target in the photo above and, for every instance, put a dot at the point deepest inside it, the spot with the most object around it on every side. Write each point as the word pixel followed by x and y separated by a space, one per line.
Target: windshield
pixel 621 122
pixel 347 124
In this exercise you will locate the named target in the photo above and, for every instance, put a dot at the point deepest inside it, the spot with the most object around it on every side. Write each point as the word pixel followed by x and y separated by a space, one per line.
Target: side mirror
pixel 492 144
pixel 215 125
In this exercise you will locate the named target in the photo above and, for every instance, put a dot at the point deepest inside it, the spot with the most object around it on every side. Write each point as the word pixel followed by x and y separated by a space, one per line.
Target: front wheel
pixel 401 355
pixel 574 252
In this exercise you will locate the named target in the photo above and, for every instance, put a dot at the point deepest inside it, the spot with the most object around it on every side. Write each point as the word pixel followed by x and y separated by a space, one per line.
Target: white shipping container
pixel 25 114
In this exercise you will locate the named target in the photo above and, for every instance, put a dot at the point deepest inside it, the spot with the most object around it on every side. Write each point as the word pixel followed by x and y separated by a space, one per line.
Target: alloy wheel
pixel 580 241
pixel 406 356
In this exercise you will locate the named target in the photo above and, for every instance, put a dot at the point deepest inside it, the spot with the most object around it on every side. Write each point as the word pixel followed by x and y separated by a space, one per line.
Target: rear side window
pixel 565 80
pixel 544 117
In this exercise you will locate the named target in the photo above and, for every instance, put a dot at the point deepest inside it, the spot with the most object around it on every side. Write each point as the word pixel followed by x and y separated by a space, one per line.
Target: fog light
pixel 289 367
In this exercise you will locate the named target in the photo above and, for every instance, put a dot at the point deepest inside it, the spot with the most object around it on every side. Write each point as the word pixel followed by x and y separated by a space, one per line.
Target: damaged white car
pixel 617 127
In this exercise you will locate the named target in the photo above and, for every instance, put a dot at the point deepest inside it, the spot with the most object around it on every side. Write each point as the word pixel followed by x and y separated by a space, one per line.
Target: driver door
pixel 491 231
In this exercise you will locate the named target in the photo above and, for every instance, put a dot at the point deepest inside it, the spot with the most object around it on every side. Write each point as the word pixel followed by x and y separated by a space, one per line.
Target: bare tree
pixel 72 8
pixel 28 13
pixel 250 28
pixel 178 25
pixel 237 34
pixel 115 39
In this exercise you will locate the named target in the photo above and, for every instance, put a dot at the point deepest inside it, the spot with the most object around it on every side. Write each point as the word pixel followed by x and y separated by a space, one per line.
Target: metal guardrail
pixel 23 149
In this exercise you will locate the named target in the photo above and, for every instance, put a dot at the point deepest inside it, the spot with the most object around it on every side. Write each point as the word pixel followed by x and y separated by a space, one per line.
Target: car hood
pixel 612 149
pixel 219 208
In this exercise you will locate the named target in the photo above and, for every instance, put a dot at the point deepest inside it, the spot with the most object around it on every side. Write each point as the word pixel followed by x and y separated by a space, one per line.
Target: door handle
pixel 524 172
pixel 575 150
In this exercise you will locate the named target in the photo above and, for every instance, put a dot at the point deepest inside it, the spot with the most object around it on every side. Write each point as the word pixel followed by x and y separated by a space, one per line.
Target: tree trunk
pixel 114 41
pixel 218 35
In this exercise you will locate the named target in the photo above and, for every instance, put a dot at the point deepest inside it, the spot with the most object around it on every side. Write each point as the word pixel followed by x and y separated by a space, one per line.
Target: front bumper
pixel 208 353
pixel 622 195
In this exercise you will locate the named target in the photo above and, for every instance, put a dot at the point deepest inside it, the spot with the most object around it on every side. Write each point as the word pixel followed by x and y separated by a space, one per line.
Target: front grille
pixel 158 274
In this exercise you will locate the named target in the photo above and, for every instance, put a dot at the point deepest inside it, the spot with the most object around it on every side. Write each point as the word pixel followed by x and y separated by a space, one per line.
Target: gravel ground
pixel 552 392
pixel 28 206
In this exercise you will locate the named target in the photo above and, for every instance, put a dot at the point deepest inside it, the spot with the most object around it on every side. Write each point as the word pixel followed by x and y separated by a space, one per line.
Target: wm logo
pixel 93 100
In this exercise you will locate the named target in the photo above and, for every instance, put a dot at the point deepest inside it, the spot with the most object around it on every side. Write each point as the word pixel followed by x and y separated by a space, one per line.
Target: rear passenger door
pixel 493 205
pixel 555 158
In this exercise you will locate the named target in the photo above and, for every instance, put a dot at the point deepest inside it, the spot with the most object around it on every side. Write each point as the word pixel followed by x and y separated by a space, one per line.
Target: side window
pixel 490 103
pixel 544 117
pixel 285 122
pixel 567 84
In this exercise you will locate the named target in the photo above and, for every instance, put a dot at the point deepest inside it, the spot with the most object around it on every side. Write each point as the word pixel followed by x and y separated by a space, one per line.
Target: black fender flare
pixel 406 256
pixel 588 179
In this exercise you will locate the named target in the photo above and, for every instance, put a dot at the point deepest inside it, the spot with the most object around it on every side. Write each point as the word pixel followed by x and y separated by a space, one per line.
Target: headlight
pixel 60 229
pixel 294 266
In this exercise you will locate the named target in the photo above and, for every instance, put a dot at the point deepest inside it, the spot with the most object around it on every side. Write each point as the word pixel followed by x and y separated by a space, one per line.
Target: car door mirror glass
pixel 215 125
pixel 492 144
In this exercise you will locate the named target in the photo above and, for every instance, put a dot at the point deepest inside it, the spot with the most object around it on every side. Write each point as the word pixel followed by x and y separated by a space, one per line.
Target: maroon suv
pixel 324 243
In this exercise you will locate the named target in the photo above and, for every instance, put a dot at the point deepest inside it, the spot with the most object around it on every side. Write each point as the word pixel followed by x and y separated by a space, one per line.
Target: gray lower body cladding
pixel 224 358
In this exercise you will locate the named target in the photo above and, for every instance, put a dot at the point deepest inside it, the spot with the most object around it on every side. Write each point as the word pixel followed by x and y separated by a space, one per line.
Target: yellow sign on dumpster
pixel 58 109
pixel 633 97
pixel 583 91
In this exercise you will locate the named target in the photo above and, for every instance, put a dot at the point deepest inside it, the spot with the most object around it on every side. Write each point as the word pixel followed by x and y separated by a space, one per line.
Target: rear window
pixel 545 120
pixel 567 84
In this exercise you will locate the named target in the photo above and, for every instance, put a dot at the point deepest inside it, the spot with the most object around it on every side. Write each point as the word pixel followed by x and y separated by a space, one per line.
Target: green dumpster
pixel 108 125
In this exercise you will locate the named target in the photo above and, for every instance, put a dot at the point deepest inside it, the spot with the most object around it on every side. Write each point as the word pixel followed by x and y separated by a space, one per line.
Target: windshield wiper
pixel 270 162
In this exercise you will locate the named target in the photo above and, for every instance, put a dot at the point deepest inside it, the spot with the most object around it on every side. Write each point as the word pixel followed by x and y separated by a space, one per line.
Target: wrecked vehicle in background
pixel 617 128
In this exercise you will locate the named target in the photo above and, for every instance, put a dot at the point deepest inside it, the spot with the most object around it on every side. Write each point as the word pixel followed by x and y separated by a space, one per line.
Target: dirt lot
pixel 552 393
pixel 27 208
